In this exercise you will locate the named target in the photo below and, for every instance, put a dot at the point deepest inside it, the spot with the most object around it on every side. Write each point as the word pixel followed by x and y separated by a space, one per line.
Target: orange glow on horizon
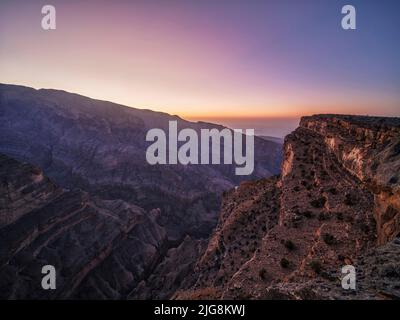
pixel 187 61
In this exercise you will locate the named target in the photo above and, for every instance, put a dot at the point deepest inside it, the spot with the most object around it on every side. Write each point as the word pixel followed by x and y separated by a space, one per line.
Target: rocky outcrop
pixel 369 148
pixel 288 237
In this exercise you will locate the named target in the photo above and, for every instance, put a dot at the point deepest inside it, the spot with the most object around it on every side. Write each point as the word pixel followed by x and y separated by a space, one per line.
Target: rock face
pixel 372 155
pixel 335 203
pixel 110 220
pixel 42 224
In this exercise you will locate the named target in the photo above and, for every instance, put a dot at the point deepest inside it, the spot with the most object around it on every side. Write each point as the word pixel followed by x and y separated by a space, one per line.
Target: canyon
pixel 76 192
pixel 93 207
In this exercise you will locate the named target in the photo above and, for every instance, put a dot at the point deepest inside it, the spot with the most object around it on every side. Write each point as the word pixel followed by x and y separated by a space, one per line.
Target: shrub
pixel 289 245
pixel 349 219
pixel 333 191
pixel 349 201
pixel 391 271
pixel 393 180
pixel 328 239
pixel 285 263
pixel 322 216
pixel 395 150
pixel 324 173
pixel 262 274
pixel 318 203
pixel 316 266
pixel 364 228
pixel 308 214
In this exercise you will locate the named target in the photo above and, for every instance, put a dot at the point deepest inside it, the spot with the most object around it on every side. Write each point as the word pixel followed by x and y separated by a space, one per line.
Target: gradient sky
pixel 208 59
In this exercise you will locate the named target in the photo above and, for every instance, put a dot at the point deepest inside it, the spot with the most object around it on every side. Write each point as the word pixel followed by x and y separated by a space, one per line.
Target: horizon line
pixel 199 117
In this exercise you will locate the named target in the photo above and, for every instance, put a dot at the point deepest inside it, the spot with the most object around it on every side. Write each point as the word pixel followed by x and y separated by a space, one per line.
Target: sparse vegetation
pixel 395 150
pixel 285 263
pixel 316 266
pixel 349 219
pixel 322 216
pixel 339 216
pixel 318 203
pixel 364 228
pixel 349 200
pixel 332 191
pixel 393 180
pixel 262 274
pixel 289 245
pixel 308 214
pixel 329 239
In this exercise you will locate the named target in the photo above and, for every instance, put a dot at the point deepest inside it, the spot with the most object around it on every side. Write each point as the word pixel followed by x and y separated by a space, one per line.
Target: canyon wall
pixel 335 203
pixel 368 148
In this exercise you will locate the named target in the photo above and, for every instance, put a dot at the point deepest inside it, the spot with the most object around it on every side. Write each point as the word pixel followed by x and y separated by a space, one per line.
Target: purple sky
pixel 208 59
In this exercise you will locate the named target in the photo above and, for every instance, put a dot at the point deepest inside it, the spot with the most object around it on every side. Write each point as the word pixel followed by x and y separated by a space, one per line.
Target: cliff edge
pixel 336 203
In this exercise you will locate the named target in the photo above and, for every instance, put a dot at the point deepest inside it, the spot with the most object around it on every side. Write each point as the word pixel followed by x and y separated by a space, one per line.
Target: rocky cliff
pixel 104 243
pixel 335 203
pixel 369 149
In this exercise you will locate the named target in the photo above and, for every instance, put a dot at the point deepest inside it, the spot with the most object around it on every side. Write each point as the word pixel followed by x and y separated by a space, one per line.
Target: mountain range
pixel 77 193
pixel 92 154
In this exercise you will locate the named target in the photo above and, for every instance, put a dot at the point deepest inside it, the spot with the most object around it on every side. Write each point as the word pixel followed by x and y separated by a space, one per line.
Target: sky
pixel 224 60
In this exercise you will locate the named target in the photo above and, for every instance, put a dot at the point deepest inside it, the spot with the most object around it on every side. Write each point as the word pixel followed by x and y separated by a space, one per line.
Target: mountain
pixel 41 224
pixel 76 192
pixel 336 203
pixel 273 139
pixel 100 147
pixel 94 193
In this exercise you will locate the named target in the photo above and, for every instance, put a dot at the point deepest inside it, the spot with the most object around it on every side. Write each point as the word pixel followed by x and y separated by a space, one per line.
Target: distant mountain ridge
pixel 273 139
pixel 98 148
